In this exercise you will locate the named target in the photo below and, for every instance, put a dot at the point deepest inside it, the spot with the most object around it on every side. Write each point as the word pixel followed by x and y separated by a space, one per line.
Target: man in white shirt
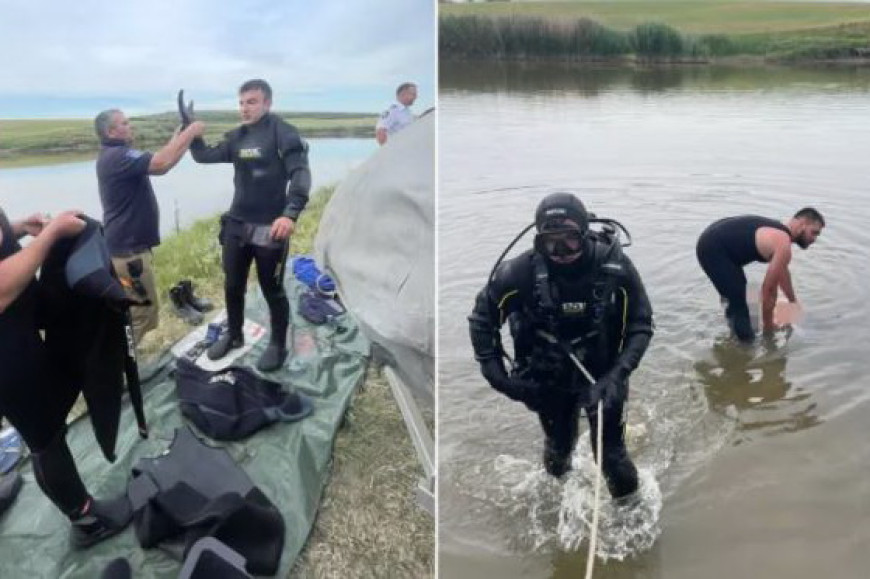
pixel 399 115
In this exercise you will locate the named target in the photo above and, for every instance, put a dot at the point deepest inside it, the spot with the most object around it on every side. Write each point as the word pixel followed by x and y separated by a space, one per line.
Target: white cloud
pixel 142 50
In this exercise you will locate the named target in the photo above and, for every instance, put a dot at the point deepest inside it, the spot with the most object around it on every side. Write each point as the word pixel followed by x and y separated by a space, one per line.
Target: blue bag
pixel 305 269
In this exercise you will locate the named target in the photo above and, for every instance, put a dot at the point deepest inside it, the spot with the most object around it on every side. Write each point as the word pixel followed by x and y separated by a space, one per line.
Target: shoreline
pixel 654 62
pixel 21 158
pixel 31 142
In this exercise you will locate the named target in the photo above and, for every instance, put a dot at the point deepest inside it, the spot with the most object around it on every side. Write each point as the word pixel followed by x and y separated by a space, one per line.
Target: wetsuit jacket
pixel 600 309
pixel 29 393
pixel 86 334
pixel 196 490
pixel 265 155
pixel 84 349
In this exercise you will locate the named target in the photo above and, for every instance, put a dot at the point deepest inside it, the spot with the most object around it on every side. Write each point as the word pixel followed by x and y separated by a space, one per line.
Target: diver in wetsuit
pixel 271 181
pixel 730 243
pixel 575 291
pixel 33 393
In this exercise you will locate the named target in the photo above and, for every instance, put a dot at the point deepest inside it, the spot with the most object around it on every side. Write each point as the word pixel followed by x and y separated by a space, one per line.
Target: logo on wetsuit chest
pixel 573 308
pixel 226 378
pixel 252 153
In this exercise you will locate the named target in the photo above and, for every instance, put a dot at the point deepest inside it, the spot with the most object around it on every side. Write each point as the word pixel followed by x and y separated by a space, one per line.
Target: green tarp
pixel 289 462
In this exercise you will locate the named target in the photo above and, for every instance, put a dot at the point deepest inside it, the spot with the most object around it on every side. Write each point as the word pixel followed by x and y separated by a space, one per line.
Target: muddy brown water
pixel 754 463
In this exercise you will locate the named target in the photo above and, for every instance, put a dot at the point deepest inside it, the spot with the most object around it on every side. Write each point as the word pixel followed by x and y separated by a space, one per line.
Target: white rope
pixel 593 535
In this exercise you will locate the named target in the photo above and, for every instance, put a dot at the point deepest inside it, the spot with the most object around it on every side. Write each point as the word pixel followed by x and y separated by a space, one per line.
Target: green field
pixel 706 28
pixel 27 142
pixel 692 16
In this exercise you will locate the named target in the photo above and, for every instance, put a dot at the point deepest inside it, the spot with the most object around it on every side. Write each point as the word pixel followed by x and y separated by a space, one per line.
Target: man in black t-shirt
pixel 271 182
pixel 131 217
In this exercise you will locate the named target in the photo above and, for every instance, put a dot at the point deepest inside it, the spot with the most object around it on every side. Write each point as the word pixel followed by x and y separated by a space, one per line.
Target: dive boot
pixel 199 304
pixel 223 345
pixel 118 569
pixel 182 308
pixel 556 463
pixel 273 357
pixel 629 501
pixel 102 520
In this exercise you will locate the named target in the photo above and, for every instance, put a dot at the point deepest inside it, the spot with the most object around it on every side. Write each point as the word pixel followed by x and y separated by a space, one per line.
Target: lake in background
pixel 190 191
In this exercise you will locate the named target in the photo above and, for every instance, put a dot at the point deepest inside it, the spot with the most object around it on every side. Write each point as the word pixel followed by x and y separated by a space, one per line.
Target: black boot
pixel 199 304
pixel 557 463
pixel 118 569
pixel 101 520
pixel 273 357
pixel 182 308
pixel 223 345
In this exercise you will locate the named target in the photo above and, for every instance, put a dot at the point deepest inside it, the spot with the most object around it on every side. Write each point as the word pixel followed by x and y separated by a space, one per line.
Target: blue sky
pixel 73 59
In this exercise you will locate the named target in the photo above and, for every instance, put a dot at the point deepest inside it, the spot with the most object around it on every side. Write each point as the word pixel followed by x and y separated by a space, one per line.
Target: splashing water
pixel 557 514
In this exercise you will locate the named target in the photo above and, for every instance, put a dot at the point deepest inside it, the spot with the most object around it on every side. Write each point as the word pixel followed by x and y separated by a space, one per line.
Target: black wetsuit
pixel 599 307
pixel 265 155
pixel 33 397
pixel 723 249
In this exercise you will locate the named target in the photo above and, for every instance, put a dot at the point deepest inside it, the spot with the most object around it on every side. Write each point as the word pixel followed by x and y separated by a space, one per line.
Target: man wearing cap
pixel 131 218
pixel 573 299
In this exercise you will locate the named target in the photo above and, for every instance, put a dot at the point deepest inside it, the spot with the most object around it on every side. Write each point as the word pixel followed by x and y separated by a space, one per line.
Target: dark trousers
pixel 559 413
pixel 237 258
pixel 730 281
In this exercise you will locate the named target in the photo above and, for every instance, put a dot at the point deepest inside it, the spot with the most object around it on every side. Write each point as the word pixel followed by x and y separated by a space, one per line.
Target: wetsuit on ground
pixel 265 156
pixel 599 308
pixel 723 249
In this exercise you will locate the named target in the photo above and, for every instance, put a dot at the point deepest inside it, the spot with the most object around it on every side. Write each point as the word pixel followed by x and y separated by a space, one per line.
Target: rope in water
pixel 593 535
pixel 590 559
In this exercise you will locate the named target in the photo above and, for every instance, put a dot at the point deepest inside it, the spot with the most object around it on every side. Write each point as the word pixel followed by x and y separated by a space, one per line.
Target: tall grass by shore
pixel 21 140
pixel 532 37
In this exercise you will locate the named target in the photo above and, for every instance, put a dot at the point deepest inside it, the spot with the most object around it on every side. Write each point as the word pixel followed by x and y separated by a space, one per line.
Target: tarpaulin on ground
pixel 288 461
pixel 377 239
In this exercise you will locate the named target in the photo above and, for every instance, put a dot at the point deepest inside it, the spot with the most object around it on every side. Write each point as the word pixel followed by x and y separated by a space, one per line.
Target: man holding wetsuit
pixel 131 217
pixel 729 244
pixel 574 299
pixel 272 181
pixel 34 394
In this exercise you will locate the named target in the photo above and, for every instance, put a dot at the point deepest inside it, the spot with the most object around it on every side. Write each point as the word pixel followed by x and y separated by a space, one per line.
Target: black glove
pixel 518 389
pixel 612 388
pixel 185 112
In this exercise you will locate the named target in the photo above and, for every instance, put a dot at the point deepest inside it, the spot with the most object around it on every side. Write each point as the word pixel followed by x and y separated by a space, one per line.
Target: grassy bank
pixel 689 30
pixel 21 140
pixel 368 524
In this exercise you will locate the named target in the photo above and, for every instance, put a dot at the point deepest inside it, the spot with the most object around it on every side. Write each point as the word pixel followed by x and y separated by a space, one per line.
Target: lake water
pixel 753 463
pixel 189 192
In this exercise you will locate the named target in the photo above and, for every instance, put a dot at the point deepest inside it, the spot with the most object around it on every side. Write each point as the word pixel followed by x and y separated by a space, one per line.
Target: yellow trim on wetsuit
pixel 624 316
pixel 501 302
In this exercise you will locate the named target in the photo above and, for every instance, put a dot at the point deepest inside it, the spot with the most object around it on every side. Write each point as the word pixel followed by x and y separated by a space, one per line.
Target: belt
pixel 131 252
